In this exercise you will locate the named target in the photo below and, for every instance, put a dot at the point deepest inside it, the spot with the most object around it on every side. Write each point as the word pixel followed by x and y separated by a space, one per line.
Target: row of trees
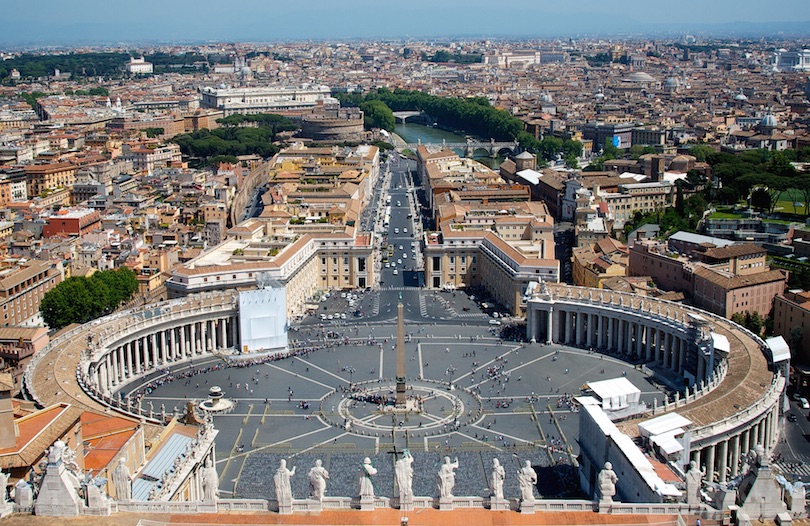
pixel 80 299
pixel 77 64
pixel 458 58
pixel 93 92
pixel 474 115
pixel 763 175
pixel 233 140
pixel 550 147
pixel 683 216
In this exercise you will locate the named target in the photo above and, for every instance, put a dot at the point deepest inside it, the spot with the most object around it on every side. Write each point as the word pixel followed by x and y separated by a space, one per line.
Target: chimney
pixel 8 429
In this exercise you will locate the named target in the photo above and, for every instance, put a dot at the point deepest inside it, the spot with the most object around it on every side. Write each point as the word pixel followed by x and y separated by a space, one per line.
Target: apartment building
pixel 71 222
pixel 43 177
pixel 637 197
pixel 150 157
pixel 502 253
pixel 23 283
pixel 267 99
pixel 599 261
pixel 791 320
pixel 725 280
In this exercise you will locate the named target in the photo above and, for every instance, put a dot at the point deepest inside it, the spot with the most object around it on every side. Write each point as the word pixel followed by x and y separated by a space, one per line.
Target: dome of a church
pixel 769 121
pixel 639 76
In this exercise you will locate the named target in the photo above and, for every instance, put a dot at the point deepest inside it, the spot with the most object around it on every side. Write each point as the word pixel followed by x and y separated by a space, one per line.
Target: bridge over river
pixel 470 146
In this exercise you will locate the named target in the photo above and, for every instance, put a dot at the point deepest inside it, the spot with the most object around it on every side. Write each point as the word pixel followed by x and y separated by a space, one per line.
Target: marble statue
pixel 527 479
pixel 404 473
pixel 496 478
pixel 447 478
pixel 317 480
pixel 607 483
pixel 210 481
pixel 122 482
pixel 282 482
pixel 693 483
pixel 366 472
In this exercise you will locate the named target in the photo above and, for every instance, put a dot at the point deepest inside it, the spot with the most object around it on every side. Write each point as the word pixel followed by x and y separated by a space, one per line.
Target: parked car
pixel 804 403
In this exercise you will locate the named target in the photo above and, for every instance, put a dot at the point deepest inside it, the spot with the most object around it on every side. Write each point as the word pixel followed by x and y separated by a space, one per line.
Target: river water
pixel 413 133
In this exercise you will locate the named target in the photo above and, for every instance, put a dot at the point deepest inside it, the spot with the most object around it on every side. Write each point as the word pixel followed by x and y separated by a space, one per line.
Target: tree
pixel 611 151
pixel 377 115
pixel 550 147
pixel 79 299
pixel 701 152
pixel 679 204
pixel 637 150
pixel 153 132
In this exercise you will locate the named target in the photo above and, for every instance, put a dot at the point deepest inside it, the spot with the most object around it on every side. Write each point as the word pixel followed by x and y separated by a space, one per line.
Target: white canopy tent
pixel 616 393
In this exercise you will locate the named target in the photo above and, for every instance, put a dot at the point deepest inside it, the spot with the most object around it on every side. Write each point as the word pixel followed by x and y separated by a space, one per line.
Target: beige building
pixel 725 280
pixel 23 284
pixel 594 264
pixel 482 247
pixel 791 320
pixel 637 197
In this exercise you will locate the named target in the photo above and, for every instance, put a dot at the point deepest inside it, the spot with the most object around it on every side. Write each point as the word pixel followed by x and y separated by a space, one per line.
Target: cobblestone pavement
pixel 298 408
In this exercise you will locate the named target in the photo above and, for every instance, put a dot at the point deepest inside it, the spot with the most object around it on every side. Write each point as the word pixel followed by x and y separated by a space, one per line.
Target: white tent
pixel 616 393
pixel 780 351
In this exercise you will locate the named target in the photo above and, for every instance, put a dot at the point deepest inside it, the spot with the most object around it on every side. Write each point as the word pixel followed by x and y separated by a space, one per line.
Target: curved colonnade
pixel 733 403
pixel 85 366
pixel 734 398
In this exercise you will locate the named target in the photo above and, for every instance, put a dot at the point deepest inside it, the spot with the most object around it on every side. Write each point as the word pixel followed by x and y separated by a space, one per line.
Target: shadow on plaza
pixel 256 480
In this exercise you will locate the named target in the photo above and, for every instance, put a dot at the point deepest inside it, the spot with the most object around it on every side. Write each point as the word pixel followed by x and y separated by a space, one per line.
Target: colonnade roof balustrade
pixel 747 381
pixel 51 376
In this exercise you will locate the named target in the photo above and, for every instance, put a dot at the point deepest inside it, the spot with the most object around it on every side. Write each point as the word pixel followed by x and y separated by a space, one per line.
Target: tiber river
pixel 412 133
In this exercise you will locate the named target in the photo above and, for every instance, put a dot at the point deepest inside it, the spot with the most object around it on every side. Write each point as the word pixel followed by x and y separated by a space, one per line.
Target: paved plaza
pixel 508 401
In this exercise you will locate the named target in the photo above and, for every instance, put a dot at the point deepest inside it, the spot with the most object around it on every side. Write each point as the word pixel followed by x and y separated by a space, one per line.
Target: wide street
pixel 481 397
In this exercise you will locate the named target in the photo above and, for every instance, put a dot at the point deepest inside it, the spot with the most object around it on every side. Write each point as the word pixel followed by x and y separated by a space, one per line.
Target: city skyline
pixel 251 20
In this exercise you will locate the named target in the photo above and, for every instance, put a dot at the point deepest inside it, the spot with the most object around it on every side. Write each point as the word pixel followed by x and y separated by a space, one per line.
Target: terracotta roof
pixel 730 282
pixel 731 251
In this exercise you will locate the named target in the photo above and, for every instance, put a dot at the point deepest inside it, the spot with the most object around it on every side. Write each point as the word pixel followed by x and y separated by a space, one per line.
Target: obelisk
pixel 400 400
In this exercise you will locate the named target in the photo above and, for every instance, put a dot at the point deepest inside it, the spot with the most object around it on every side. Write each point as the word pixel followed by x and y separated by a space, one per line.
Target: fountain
pixel 216 402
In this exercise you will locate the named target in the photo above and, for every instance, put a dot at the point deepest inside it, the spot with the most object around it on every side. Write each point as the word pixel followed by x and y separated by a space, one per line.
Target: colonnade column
pixel 579 330
pixel 710 463
pixel 744 441
pixel 599 330
pixel 221 333
pixel 610 333
pixel 555 335
pixel 589 330
pixel 648 342
pixel 722 453
pixel 682 355
pixel 158 350
pixel 549 326
pixel 620 341
pixel 734 443
pixel 567 320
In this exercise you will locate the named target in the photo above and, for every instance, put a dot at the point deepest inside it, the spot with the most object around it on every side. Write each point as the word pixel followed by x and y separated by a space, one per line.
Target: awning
pixel 780 351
